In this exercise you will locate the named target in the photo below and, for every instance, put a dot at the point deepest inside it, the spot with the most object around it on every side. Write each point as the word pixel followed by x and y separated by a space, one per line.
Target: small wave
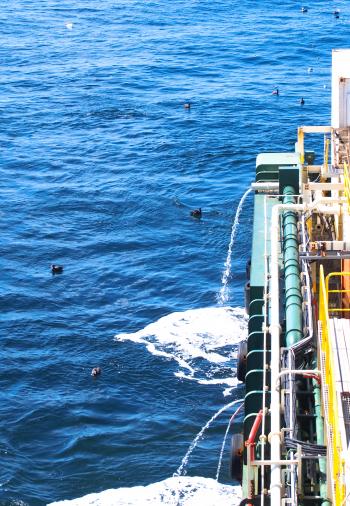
pixel 201 341
pixel 112 113
pixel 176 491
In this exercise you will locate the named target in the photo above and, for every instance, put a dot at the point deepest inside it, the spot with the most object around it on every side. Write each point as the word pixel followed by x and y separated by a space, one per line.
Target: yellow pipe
pixel 347 184
pixel 326 154
pixel 301 144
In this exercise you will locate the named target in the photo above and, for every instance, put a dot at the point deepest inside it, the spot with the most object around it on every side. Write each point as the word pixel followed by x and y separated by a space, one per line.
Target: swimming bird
pixel 96 371
pixel 310 69
pixel 302 101
pixel 187 105
pixel 56 269
pixel 336 13
pixel 304 9
pixel 197 213
pixel 69 25
pixel 275 92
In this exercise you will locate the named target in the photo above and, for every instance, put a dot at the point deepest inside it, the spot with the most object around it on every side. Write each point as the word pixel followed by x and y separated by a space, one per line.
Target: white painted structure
pixel 340 88
pixel 341 111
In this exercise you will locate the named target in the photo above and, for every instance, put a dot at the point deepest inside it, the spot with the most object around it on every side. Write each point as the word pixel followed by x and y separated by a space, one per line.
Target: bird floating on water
pixel 187 105
pixel 275 92
pixel 304 9
pixel 302 101
pixel 336 13
pixel 96 371
pixel 56 269
pixel 197 213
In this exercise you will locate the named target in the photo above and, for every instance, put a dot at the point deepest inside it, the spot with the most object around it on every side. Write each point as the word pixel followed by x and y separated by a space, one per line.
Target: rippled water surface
pixel 101 166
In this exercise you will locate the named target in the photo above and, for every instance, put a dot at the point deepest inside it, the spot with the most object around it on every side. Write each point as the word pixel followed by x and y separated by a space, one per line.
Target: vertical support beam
pixel 275 330
pixel 301 144
pixel 340 79
pixel 346 286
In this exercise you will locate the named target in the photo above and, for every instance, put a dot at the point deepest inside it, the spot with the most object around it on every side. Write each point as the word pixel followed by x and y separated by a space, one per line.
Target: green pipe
pixel 294 330
pixel 293 296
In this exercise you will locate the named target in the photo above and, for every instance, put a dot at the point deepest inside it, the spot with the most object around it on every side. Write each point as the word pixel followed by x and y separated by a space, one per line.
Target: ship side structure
pixel 294 447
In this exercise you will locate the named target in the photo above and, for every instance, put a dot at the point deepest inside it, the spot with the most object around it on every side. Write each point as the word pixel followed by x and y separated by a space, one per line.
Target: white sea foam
pixel 201 341
pixel 176 491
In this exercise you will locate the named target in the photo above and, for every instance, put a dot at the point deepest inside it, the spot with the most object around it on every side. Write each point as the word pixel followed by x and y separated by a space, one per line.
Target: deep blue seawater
pixel 101 165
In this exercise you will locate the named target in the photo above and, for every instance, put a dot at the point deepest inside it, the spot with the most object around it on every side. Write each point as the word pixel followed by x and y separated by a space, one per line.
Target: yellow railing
pixel 347 184
pixel 332 308
pixel 309 130
pixel 331 413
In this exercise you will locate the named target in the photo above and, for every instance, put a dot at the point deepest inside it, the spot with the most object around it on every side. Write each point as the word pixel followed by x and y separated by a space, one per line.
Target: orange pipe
pixel 250 443
pixel 254 429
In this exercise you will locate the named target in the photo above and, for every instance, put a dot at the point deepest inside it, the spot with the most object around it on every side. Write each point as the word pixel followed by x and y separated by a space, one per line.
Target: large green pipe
pixel 294 302
pixel 293 296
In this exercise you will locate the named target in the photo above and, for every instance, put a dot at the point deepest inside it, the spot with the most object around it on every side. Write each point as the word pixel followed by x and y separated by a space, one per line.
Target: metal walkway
pixel 334 339
pixel 340 344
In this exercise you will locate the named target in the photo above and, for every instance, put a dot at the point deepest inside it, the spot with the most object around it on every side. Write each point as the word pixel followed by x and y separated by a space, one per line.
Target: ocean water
pixel 101 165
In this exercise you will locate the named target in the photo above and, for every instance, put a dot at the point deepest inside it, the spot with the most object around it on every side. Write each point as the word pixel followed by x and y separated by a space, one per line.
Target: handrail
pixel 308 130
pixel 329 391
pixel 265 331
pixel 341 290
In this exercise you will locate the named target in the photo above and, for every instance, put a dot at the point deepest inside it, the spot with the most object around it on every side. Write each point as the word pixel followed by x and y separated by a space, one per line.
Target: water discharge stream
pixel 229 425
pixel 223 294
pixel 181 469
pixel 222 451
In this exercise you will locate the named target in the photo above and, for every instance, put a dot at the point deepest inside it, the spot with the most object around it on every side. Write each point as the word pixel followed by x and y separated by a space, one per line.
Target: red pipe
pixel 313 376
pixel 254 429
pixel 250 443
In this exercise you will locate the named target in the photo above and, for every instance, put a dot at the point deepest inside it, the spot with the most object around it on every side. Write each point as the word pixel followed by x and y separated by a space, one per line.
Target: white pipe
pixel 265 186
pixel 294 462
pixel 308 285
pixel 275 330
pixel 263 422
pixel 329 210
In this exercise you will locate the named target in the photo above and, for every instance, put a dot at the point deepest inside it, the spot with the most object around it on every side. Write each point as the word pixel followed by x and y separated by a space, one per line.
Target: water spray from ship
pixel 223 295
pixel 182 468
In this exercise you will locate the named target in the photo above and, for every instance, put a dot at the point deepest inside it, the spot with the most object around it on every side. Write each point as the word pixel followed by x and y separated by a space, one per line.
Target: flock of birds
pixel 336 12
pixel 195 213
pixel 276 92
pixel 58 269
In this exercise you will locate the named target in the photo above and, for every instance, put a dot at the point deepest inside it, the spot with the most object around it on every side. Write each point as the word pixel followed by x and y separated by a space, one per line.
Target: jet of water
pixel 181 469
pixel 224 441
pixel 223 294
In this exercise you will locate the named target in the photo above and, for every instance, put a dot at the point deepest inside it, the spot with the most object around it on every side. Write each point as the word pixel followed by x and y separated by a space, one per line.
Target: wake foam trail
pixel 176 491
pixel 224 292
pixel 201 341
